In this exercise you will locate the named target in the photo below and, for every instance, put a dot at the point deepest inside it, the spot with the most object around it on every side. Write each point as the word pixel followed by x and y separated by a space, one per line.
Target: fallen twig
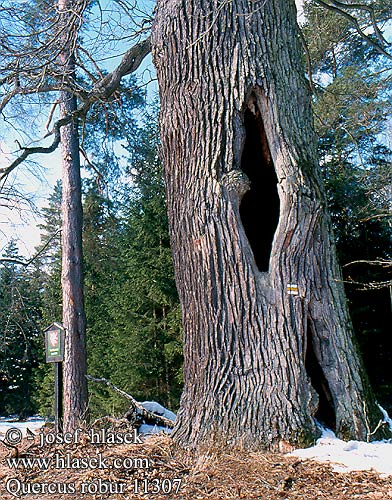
pixel 148 415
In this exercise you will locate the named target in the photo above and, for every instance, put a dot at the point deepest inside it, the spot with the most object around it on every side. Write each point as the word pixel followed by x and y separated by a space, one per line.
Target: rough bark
pixel 74 319
pixel 260 364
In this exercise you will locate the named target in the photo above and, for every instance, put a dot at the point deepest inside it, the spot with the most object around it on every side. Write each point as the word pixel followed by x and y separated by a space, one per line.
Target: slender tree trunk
pixel 74 319
pixel 268 338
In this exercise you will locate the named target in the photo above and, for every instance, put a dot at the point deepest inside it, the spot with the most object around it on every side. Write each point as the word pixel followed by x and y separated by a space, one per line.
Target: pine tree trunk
pixel 74 319
pixel 248 225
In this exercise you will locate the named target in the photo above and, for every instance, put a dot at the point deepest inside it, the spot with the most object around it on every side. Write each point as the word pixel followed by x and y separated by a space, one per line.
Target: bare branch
pixel 308 60
pixel 100 179
pixel 383 263
pixel 378 216
pixel 135 404
pixel 367 8
pixel 4 172
pixel 27 91
pixel 131 60
pixel 101 91
pixel 51 112
pixel 30 261
pixel 92 60
pixel 376 285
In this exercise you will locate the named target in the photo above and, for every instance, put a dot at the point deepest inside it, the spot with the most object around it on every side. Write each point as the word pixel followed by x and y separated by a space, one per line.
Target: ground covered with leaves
pixel 156 469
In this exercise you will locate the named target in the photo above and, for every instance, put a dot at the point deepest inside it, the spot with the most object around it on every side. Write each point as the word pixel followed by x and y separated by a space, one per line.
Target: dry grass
pixel 266 476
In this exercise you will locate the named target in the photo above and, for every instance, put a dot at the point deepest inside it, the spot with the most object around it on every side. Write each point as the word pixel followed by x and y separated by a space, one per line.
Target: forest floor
pixel 158 464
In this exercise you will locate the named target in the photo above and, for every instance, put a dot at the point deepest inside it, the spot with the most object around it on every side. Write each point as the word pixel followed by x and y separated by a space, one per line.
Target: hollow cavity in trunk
pixel 325 412
pixel 259 208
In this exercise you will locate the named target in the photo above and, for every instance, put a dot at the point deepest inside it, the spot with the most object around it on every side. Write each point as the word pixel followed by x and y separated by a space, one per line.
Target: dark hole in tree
pixel 259 208
pixel 326 412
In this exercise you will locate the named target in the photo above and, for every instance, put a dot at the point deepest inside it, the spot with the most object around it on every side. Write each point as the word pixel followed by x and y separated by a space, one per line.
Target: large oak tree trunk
pixel 74 318
pixel 248 219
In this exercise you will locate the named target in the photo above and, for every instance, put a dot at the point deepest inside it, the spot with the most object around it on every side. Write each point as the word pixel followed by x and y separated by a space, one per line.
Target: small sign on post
pixel 54 348
pixel 54 343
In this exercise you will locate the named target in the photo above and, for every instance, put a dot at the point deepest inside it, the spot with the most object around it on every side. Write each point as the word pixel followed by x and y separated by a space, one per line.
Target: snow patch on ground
pixel 35 423
pixel 352 455
pixel 153 429
pixel 32 423
pixel 160 410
